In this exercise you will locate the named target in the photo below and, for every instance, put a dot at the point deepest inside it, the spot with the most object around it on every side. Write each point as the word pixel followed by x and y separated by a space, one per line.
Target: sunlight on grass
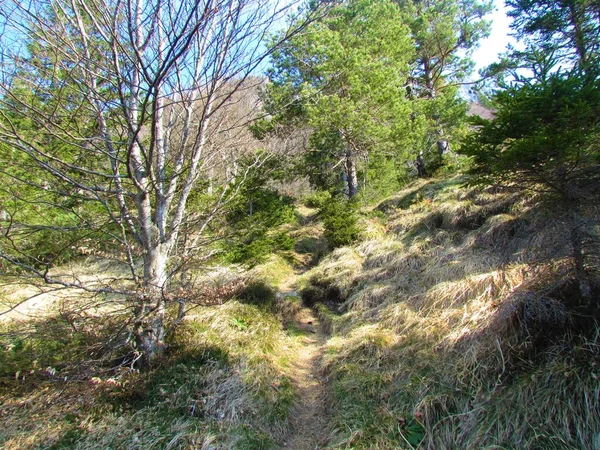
pixel 455 333
pixel 453 330
pixel 222 386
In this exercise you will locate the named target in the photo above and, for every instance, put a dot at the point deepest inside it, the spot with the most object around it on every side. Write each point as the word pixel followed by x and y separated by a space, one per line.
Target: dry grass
pixel 275 271
pixel 459 329
pixel 338 270
pixel 223 385
pixel 24 298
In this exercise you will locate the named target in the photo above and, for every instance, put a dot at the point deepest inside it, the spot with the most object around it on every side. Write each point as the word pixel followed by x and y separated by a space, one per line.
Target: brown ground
pixel 309 427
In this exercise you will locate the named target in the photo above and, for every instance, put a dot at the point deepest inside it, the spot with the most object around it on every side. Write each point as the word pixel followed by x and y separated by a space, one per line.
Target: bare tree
pixel 117 103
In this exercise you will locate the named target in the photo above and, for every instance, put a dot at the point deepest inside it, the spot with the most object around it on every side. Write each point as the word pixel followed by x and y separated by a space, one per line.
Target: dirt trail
pixel 309 427
pixel 309 419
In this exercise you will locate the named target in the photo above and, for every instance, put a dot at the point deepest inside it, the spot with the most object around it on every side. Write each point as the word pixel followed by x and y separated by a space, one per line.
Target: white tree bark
pixel 350 175
pixel 152 76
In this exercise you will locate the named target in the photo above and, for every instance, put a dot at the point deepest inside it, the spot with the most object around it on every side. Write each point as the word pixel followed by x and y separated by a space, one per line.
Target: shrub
pixel 340 222
pixel 257 248
pixel 284 241
pixel 253 220
pixel 317 199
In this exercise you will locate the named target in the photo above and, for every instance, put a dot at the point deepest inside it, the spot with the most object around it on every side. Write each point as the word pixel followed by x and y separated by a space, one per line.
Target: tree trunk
pixel 350 176
pixel 443 147
pixel 420 165
pixel 576 17
pixel 150 311
pixel 578 240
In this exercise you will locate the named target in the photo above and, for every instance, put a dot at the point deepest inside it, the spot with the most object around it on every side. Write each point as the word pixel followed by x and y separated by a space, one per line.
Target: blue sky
pixel 489 49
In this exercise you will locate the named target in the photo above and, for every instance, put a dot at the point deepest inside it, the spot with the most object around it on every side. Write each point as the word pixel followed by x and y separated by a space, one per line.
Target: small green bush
pixel 284 241
pixel 317 199
pixel 252 253
pixel 340 221
pixel 257 248
pixel 253 221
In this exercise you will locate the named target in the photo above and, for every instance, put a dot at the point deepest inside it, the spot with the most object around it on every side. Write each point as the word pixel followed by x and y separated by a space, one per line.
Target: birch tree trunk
pixel 150 311
pixel 145 81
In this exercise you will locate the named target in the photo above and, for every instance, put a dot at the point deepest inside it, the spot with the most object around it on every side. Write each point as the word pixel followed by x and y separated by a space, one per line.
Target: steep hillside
pixel 460 326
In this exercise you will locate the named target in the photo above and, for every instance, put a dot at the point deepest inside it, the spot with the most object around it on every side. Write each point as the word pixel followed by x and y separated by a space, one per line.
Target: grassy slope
pixel 455 329
pixel 224 384
pixel 454 332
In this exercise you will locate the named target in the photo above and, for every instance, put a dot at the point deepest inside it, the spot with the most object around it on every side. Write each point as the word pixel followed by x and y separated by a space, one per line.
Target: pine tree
pixel 546 134
pixel 344 80
pixel 445 33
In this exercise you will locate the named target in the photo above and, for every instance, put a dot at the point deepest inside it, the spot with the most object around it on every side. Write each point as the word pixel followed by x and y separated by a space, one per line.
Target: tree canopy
pixel 445 34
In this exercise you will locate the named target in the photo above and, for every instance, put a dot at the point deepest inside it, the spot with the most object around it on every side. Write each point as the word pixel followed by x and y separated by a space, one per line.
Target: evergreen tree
pixel 568 29
pixel 546 134
pixel 445 33
pixel 344 80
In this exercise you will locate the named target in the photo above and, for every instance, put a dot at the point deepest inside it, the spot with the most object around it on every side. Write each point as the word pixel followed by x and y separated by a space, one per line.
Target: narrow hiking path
pixel 309 421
